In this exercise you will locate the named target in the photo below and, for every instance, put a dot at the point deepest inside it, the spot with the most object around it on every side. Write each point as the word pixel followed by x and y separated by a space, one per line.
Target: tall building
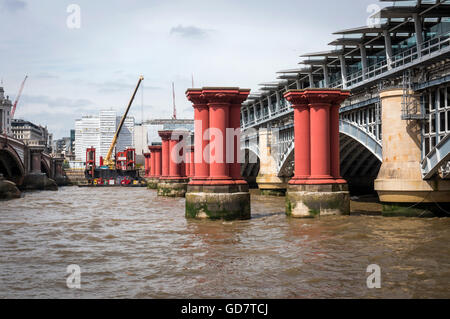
pixel 141 139
pixel 5 111
pixel 98 132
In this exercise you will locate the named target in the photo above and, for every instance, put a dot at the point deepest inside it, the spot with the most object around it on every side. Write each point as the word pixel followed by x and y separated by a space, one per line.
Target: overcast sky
pixel 75 72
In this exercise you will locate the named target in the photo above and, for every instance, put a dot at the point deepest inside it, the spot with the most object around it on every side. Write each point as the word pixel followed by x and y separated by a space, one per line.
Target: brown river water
pixel 129 243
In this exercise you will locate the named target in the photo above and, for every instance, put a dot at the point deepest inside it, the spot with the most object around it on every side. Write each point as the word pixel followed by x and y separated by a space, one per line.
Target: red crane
pixel 18 97
pixel 174 116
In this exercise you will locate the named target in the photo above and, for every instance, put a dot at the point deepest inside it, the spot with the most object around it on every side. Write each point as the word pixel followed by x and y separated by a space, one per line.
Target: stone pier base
pixel 172 187
pixel 271 185
pixel 152 183
pixel 8 189
pixel 317 200
pixel 39 181
pixel 62 180
pixel 227 202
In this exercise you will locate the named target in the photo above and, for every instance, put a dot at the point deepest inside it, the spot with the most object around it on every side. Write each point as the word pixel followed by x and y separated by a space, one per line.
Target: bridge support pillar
pixel 217 191
pixel 8 189
pixel 399 183
pixel 268 181
pixel 316 188
pixel 36 180
pixel 172 183
pixel 155 166
pixel 59 176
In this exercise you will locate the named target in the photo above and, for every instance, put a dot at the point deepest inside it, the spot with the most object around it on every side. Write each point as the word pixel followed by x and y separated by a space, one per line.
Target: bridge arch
pixel 251 164
pixel 11 166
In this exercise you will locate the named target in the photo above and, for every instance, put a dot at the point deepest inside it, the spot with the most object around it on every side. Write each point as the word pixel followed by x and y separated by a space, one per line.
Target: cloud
pixel 46 75
pixel 113 86
pixel 189 31
pixel 13 5
pixel 55 102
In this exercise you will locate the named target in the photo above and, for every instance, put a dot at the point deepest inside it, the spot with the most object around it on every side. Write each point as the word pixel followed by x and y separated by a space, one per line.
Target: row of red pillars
pixel 219 109
pixel 316 135
pixel 159 164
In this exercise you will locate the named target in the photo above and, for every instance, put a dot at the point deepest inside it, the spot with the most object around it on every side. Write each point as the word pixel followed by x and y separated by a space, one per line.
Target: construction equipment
pixel 18 97
pixel 120 171
pixel 108 161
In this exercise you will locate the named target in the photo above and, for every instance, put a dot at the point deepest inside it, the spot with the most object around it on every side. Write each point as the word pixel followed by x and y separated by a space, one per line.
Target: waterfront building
pixel 32 134
pixel 5 111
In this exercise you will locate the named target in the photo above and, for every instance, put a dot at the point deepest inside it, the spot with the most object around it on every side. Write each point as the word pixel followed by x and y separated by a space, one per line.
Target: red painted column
pixel 235 123
pixel 147 164
pixel 334 138
pixel 334 142
pixel 152 163
pixel 302 153
pixel 324 134
pixel 153 159
pixel 187 164
pixel 219 108
pixel 174 167
pixel 158 168
pixel 320 140
pixel 165 153
pixel 201 125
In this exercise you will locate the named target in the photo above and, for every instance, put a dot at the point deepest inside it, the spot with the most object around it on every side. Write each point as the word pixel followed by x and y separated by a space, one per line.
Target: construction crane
pixel 18 97
pixel 174 116
pixel 108 161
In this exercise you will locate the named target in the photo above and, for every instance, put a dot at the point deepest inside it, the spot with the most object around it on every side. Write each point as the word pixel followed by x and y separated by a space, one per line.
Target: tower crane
pixel 18 97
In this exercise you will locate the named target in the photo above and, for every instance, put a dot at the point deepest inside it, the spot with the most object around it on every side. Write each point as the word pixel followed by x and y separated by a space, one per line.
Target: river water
pixel 129 243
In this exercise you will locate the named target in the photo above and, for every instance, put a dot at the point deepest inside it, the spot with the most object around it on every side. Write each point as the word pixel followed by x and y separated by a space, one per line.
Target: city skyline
pixel 70 74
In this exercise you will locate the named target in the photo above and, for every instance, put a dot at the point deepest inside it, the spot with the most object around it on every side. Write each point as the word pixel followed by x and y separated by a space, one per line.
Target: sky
pixel 78 71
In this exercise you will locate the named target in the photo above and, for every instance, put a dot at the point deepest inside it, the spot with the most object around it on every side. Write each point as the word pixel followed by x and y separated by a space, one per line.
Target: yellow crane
pixel 108 161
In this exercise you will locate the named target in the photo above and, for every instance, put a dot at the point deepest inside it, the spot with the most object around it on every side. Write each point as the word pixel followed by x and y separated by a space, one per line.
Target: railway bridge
pixel 394 129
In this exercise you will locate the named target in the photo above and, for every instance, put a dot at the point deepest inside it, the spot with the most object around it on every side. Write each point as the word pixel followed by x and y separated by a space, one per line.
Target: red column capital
pixel 325 96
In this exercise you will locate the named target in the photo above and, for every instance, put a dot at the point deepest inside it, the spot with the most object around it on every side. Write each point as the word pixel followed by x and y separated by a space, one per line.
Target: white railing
pixel 435 44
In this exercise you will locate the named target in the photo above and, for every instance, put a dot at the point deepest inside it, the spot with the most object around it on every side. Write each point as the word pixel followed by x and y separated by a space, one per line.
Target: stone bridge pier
pixel 268 180
pixel 36 179
pixel 400 184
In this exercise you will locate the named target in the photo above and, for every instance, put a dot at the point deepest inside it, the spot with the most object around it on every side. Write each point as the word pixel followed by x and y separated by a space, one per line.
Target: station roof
pixel 425 9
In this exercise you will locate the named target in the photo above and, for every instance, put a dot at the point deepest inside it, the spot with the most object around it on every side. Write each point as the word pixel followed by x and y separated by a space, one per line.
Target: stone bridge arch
pixel 11 166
